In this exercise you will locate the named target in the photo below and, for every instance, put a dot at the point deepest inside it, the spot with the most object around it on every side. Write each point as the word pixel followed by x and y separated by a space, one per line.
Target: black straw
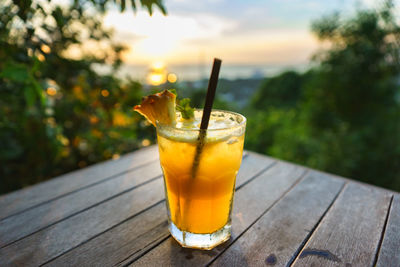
pixel 212 86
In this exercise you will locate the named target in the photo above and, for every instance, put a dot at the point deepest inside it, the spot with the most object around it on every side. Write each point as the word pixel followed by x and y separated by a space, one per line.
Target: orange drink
pixel 199 189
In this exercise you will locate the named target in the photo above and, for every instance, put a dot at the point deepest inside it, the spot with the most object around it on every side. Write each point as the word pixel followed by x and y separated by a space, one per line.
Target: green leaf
pixel 30 95
pixel 185 109
pixel 36 65
pixel 149 5
pixel 133 3
pixel 39 91
pixel 15 72
pixel 161 7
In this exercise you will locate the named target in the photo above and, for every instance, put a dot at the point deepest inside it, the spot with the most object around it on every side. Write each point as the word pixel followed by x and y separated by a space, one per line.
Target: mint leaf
pixel 186 110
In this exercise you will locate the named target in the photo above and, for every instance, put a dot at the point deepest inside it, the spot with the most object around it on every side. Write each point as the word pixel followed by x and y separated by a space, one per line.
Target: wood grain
pixel 34 219
pixel 137 235
pixel 113 213
pixel 252 165
pixel 118 243
pixel 350 233
pixel 389 254
pixel 251 201
pixel 279 233
pixel 67 234
pixel 31 196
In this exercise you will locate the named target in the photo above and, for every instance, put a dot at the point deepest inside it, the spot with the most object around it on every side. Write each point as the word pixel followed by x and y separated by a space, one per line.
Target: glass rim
pixel 239 125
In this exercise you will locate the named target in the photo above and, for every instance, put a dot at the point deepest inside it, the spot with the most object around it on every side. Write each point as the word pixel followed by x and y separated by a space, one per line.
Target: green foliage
pixel 198 98
pixel 56 113
pixel 343 116
pixel 185 109
pixel 183 106
pixel 278 91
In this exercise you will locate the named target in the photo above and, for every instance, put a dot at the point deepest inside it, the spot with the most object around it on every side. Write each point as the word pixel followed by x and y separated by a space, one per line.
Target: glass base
pixel 200 241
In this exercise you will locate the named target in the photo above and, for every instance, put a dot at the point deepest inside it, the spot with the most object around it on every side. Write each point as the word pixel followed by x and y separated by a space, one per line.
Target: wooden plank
pixel 22 224
pixel 274 238
pixel 118 243
pixel 252 165
pixel 31 196
pixel 251 201
pixel 51 242
pixel 345 179
pixel 44 245
pixel 140 233
pixel 389 253
pixel 349 234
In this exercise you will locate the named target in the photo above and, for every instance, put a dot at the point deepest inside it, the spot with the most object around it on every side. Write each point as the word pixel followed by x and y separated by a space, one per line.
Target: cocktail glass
pixel 199 176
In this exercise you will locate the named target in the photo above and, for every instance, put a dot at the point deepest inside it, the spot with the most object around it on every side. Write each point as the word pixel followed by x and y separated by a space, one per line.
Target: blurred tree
pixel 344 115
pixel 56 112
pixel 279 91
pixel 353 104
pixel 198 98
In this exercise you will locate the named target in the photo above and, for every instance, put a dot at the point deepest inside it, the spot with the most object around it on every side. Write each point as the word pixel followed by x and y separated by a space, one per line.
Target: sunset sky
pixel 254 32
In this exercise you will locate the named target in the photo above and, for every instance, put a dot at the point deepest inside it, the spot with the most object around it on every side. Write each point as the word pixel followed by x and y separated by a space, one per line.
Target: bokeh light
pixel 146 142
pixel 51 91
pixel 172 78
pixel 105 93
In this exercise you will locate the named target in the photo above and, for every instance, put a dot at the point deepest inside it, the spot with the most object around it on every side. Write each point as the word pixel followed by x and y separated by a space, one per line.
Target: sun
pixel 155 37
pixel 158 74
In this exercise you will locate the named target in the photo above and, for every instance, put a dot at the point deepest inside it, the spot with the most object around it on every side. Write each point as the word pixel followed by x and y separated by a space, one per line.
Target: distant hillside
pixel 237 92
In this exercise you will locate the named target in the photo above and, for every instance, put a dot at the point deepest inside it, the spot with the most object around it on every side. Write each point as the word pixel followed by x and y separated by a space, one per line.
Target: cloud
pixel 263 46
pixel 254 31
pixel 156 36
pixel 174 26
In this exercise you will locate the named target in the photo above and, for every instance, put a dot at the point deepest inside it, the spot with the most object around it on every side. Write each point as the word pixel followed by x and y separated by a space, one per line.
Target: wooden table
pixel 113 213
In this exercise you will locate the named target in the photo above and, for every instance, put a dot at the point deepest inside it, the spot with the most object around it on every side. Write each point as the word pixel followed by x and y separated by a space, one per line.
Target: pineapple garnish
pixel 161 107
pixel 158 107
